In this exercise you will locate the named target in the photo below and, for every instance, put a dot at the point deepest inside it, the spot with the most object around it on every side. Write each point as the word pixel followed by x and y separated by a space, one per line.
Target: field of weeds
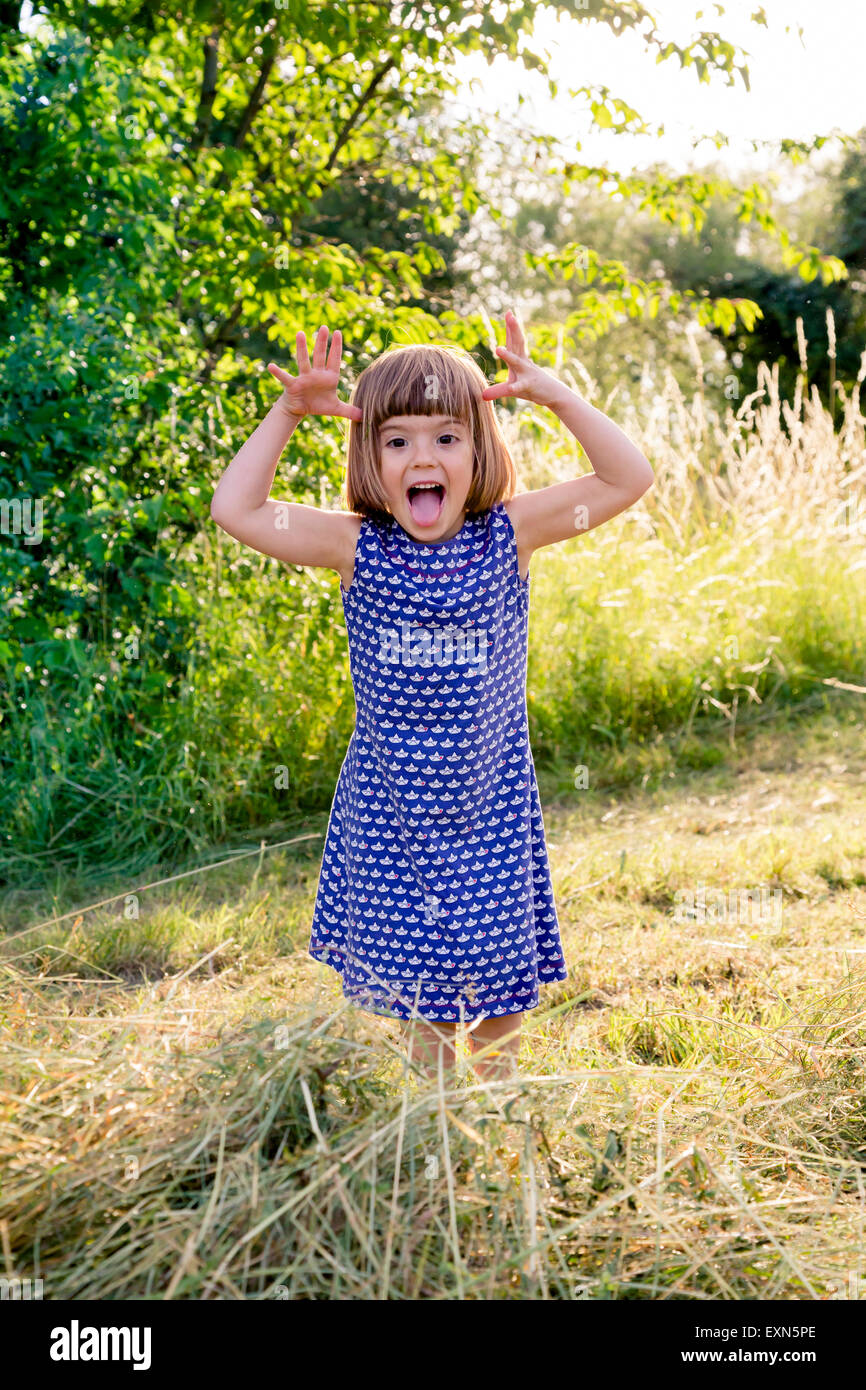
pixel 190 1110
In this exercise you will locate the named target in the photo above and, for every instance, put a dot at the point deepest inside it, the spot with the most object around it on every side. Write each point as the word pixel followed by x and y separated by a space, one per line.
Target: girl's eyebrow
pixel 443 420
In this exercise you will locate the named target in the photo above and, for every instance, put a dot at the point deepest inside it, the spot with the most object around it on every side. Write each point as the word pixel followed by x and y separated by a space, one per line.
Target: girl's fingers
pixel 336 350
pixel 301 351
pixel 518 342
pixel 282 377
pixel 321 342
pixel 492 393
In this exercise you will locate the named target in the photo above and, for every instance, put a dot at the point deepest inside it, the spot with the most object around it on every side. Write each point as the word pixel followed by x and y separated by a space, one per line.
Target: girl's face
pixel 417 449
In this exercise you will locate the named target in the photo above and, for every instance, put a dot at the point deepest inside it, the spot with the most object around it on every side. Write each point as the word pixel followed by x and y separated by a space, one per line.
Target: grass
pixel 189 1108
pixel 733 590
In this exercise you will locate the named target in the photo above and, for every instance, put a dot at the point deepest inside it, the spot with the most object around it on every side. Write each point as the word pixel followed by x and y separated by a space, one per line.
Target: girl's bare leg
pixel 501 1059
pixel 425 1042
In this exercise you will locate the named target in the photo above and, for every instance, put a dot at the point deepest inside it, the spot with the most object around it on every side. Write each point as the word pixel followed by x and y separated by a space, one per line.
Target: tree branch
pixel 211 344
pixel 204 115
pixel 363 101
pixel 270 50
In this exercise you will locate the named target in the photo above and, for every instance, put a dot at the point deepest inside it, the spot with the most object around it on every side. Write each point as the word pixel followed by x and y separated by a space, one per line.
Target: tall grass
pixel 734 588
pixel 191 1110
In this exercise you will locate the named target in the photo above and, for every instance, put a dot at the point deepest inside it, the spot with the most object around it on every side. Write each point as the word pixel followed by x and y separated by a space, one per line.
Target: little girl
pixel 434 901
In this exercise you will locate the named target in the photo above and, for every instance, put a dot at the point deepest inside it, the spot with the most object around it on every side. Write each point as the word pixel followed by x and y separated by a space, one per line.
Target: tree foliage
pixel 185 189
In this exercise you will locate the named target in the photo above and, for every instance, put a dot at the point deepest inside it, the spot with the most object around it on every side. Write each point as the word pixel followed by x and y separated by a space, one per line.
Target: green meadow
pixel 192 1110
pixel 189 1107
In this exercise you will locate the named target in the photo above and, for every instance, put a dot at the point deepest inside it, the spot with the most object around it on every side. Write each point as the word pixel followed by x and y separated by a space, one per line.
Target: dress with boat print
pixel 435 898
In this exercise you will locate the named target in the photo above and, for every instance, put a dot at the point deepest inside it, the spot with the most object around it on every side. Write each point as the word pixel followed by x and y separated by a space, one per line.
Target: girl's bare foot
pixel 495 1046
pixel 428 1044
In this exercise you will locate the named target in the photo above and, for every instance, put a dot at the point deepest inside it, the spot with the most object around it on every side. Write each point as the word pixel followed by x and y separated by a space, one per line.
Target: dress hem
pixel 514 1003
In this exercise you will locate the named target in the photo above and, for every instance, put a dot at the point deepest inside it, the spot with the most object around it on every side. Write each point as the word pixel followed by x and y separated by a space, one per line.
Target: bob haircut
pixel 425 379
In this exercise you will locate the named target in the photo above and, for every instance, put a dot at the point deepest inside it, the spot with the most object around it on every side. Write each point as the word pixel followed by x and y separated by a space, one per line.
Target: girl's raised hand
pixel 525 379
pixel 314 390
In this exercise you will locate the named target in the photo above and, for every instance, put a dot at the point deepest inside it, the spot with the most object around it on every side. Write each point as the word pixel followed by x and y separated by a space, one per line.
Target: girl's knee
pixel 506 1026
pixel 423 1027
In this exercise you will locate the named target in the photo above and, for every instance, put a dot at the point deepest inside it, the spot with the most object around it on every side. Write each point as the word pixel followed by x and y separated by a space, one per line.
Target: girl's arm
pixel 242 505
pixel 621 473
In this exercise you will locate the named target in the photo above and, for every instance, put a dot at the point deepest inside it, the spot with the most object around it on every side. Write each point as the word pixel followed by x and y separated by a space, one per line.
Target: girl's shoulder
pixel 504 513
pixel 352 524
pixel 364 531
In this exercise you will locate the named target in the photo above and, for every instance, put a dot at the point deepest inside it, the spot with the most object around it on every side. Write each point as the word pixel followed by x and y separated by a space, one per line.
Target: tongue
pixel 424 505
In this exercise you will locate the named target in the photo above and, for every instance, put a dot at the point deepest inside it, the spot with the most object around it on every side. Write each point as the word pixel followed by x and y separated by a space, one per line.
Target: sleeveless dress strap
pixel 366 556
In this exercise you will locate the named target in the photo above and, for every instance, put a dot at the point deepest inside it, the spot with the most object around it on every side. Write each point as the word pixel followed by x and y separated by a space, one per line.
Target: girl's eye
pixel 397 439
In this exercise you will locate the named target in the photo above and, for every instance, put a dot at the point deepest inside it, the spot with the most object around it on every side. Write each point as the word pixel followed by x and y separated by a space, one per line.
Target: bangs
pixel 425 379
pixel 418 381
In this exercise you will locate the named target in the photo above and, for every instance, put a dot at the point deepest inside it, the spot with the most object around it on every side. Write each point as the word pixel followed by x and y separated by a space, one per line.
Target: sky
pixel 800 86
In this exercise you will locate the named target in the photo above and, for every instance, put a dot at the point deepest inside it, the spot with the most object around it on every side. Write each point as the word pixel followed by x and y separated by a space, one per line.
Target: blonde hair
pixel 425 379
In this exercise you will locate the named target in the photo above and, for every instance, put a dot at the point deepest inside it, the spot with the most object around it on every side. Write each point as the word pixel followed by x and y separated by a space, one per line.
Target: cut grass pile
pixel 190 1110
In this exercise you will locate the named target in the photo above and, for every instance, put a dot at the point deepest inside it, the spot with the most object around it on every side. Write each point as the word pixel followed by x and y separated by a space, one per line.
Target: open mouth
pixel 426 501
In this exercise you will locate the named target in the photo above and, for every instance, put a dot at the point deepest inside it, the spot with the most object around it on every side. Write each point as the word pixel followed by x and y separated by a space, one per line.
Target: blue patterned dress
pixel 435 897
